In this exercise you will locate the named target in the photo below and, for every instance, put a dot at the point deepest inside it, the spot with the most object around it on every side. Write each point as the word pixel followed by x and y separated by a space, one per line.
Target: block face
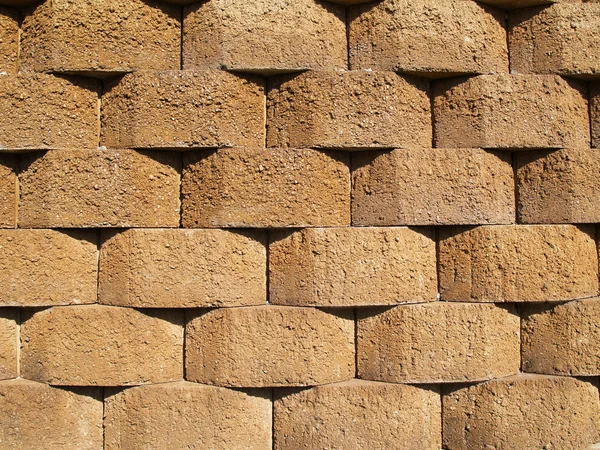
pixel 48 268
pixel 428 37
pixel 266 346
pixel 101 38
pixel 9 41
pixel 558 187
pixel 438 343
pixel 186 415
pixel 352 267
pixel 264 36
pixel 265 188
pixel 358 415
pixel 516 4
pixel 525 411
pixel 595 112
pixel 188 109
pixel 432 187
pixel 9 342
pixel 39 416
pixel 348 110
pixel 163 268
pixel 8 191
pixel 561 39
pixel 511 111
pixel 46 112
pixel 520 263
pixel 102 345
pixel 100 188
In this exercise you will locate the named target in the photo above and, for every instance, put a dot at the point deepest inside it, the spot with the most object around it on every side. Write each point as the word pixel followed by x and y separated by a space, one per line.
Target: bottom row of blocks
pixel 525 411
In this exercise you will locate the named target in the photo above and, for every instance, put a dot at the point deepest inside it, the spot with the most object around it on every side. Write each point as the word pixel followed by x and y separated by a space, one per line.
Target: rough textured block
pixel 595 113
pixel 8 191
pixel 438 343
pixel 525 411
pixel 562 339
pixel 558 187
pixel 358 415
pixel 102 345
pixel 518 263
pixel 270 346
pixel 44 112
pixel 183 268
pixel 9 41
pixel 348 110
pixel 9 344
pixel 352 267
pixel 265 188
pixel 101 37
pixel 264 36
pixel 100 188
pixel 48 267
pixel 516 4
pixel 511 111
pixel 36 416
pixel 428 37
pixel 186 415
pixel 561 39
pixel 187 109
pixel 432 187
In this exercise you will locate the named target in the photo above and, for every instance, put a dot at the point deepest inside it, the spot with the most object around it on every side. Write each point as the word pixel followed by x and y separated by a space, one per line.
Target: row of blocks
pixel 349 110
pixel 432 38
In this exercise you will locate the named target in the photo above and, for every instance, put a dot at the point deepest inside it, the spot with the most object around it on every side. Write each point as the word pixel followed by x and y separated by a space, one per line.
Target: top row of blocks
pixel 433 38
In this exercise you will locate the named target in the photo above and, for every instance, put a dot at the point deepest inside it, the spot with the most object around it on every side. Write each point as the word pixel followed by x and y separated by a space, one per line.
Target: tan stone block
pixel 432 187
pixel 187 109
pixel 519 263
pixel 102 345
pixel 352 267
pixel 558 187
pixel 186 415
pixel 9 344
pixel 516 4
pixel 562 39
pixel 526 411
pixel 348 110
pixel 183 268
pixel 9 187
pixel 358 415
pixel 431 38
pixel 48 267
pixel 100 188
pixel 101 37
pixel 438 342
pixel 37 416
pixel 44 112
pixel 265 346
pixel 265 188
pixel 595 113
pixel 9 41
pixel 264 36
pixel 512 112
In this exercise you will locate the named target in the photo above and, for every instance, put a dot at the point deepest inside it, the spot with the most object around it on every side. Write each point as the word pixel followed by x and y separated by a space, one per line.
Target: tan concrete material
pixel 520 263
pixel 264 36
pixel 431 38
pixel 516 4
pixel 187 109
pixel 163 268
pixel 348 110
pixel 102 345
pixel 438 343
pixel 562 339
pixel 265 188
pixel 182 415
pixel 9 344
pixel 8 191
pixel 359 415
pixel 9 41
pixel 595 113
pixel 101 37
pixel 352 266
pixel 562 39
pixel 100 188
pixel 48 267
pixel 511 111
pixel 37 416
pixel 525 411
pixel 559 186
pixel 43 111
pixel 432 187
pixel 266 346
